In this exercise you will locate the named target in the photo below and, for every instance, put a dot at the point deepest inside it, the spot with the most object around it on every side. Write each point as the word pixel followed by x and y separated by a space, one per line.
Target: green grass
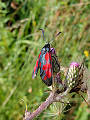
pixel 21 42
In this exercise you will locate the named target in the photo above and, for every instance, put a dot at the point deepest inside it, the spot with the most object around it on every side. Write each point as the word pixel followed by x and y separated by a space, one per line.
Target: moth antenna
pixel 43 33
pixel 83 98
pixel 55 37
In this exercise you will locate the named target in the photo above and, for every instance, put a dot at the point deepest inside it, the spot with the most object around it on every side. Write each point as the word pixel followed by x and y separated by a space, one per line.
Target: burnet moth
pixel 47 62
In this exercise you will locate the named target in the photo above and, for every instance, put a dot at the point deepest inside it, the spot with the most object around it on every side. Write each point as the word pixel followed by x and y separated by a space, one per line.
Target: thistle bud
pixel 72 75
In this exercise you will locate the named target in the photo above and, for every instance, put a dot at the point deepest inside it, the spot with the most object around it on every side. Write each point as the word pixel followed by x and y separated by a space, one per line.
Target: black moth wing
pixel 55 63
pixel 46 65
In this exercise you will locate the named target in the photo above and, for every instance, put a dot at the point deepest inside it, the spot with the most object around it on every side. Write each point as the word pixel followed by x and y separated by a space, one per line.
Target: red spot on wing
pixel 46 66
pixel 45 77
pixel 47 57
pixel 50 57
pixel 36 67
pixel 49 73
pixel 37 63
pixel 48 63
pixel 40 64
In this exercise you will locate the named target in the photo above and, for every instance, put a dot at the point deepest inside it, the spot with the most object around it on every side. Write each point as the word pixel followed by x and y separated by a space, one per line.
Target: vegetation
pixel 21 42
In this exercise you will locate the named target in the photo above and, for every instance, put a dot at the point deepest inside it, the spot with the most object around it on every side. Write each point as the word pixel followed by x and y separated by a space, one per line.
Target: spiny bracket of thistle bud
pixel 74 76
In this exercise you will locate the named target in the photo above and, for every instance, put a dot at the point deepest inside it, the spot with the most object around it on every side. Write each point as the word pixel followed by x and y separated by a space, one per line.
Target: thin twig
pixel 42 107
pixel 53 97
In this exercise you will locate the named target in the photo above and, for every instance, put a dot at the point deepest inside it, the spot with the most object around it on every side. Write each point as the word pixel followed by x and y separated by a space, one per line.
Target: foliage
pixel 20 44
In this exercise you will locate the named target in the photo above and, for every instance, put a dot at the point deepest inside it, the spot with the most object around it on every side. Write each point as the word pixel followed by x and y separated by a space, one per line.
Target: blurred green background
pixel 21 42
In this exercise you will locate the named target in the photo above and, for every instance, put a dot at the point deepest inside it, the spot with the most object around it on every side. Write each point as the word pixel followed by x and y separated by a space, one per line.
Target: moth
pixel 47 62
